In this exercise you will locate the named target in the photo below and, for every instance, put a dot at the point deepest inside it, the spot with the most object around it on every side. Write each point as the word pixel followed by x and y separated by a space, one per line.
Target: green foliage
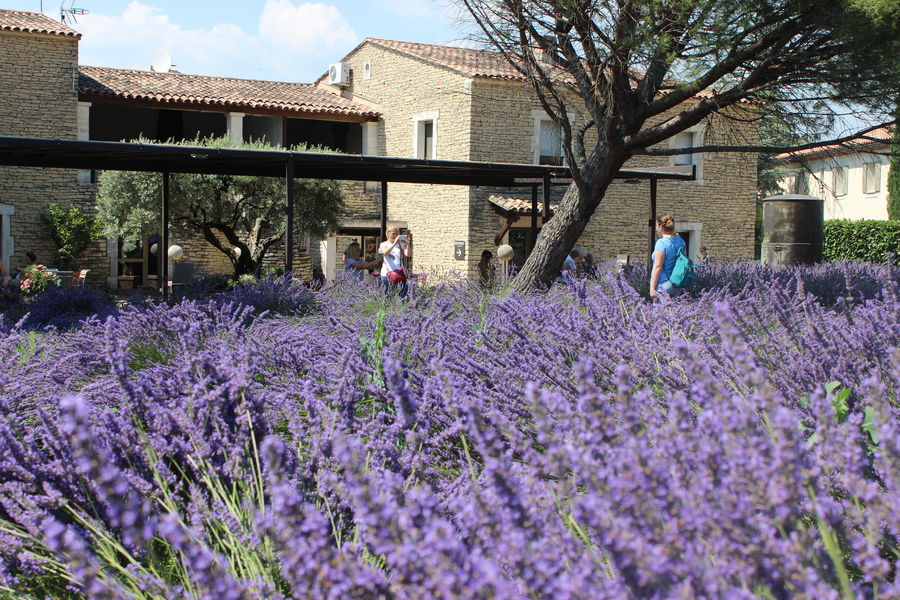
pixel 245 212
pixel 870 30
pixel 73 230
pixel 862 240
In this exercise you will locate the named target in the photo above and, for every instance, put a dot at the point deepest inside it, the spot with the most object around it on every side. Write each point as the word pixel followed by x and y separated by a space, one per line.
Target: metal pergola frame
pixel 167 159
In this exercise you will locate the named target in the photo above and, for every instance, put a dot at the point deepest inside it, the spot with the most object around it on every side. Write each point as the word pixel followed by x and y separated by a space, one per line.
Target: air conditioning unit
pixel 339 74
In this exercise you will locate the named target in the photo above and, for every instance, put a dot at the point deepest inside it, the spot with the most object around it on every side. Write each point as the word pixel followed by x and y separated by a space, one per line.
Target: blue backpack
pixel 683 272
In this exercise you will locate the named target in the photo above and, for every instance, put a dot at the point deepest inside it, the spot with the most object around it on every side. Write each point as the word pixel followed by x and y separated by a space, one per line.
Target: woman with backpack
pixel 665 255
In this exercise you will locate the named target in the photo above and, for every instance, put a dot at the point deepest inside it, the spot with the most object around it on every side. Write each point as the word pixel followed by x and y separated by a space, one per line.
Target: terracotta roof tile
pixel 876 137
pixel 472 62
pixel 33 22
pixel 220 92
pixel 518 206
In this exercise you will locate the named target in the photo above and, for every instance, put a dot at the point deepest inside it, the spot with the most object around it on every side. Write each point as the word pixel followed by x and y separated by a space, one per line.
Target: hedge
pixel 862 240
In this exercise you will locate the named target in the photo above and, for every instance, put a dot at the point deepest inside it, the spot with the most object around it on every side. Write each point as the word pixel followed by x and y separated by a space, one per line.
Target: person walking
pixel 664 254
pixel 393 249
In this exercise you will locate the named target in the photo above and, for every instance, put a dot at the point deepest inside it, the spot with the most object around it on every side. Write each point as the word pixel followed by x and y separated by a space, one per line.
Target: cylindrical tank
pixel 792 230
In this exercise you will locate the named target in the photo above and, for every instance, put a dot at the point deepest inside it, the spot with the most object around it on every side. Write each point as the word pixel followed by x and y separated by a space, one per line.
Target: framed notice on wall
pixel 459 250
pixel 370 247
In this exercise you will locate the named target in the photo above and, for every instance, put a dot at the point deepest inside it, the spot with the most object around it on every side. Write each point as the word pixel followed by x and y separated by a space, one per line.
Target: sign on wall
pixel 459 250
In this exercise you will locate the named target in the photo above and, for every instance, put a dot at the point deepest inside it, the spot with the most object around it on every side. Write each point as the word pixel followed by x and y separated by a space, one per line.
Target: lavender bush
pixel 579 443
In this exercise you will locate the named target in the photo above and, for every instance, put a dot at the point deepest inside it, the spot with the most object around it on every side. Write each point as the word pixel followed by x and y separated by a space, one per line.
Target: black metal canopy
pixel 121 156
pixel 160 158
pixel 167 159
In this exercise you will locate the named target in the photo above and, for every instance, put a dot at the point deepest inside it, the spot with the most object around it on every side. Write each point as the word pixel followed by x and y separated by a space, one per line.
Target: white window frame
pixel 419 120
pixel 538 117
pixel 871 174
pixel 696 229
pixel 834 180
pixel 696 158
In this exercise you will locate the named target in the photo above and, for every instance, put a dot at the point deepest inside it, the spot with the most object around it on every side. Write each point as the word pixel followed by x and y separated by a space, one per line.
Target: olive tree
pixel 228 211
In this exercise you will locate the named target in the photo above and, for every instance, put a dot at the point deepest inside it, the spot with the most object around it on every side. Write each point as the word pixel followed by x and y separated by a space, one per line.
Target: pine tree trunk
pixel 559 235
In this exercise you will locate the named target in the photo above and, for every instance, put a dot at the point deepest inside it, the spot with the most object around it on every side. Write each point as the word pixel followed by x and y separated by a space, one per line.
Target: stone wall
pixel 405 87
pixel 39 99
pixel 493 120
pixel 719 207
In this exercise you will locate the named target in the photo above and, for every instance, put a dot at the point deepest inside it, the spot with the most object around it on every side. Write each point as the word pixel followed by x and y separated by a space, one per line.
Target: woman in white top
pixel 393 250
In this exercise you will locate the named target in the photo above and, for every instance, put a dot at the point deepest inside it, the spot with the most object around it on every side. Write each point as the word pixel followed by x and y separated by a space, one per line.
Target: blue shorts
pixel 670 289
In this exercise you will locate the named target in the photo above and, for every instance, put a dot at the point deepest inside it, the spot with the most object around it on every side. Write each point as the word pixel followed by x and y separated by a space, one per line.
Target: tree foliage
pixel 619 78
pixel 228 211
pixel 72 229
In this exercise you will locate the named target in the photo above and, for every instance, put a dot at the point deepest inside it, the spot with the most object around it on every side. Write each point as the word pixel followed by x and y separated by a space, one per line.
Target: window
pixel 425 135
pixel 685 139
pixel 546 141
pixel 801 183
pixel 871 178
pixel 688 139
pixel 550 150
pixel 840 181
pixel 427 150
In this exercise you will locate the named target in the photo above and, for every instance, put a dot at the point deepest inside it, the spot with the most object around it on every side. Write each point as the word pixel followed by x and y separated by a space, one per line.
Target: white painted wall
pixel 855 204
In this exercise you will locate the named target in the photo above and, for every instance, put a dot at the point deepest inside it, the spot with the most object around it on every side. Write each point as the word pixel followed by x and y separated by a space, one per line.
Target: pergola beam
pixel 167 159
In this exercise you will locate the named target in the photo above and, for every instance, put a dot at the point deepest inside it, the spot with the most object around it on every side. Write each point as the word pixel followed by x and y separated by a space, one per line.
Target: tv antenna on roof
pixel 67 15
pixel 162 63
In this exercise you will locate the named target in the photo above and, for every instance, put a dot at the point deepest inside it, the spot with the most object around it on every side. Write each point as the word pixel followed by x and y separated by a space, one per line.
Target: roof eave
pixel 224 106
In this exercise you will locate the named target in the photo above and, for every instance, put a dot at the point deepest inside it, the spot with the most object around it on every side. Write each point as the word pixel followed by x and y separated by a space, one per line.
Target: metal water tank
pixel 792 230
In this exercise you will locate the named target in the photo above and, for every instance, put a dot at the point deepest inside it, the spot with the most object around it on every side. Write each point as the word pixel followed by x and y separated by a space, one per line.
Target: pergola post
pixel 534 217
pixel 162 248
pixel 546 198
pixel 652 223
pixel 289 225
pixel 384 192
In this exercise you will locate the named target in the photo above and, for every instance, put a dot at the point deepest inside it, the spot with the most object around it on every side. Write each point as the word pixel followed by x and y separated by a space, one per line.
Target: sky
pixel 279 40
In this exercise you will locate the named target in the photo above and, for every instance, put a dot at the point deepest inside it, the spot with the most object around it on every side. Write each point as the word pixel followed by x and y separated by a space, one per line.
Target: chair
pixel 79 277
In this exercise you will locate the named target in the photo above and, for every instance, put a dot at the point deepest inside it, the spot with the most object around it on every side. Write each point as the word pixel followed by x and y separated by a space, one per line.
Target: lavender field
pixel 276 442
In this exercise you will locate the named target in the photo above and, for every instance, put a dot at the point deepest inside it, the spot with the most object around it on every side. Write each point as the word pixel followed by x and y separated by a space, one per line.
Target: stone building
pixel 47 94
pixel 384 98
pixel 38 87
pixel 464 104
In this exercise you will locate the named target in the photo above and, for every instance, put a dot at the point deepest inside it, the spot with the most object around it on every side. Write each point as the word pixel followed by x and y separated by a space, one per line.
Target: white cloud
pixel 138 36
pixel 311 26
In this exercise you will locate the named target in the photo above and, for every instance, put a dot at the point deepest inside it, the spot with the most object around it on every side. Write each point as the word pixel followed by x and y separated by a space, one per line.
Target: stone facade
pixel 37 84
pixel 405 90
pixel 493 120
